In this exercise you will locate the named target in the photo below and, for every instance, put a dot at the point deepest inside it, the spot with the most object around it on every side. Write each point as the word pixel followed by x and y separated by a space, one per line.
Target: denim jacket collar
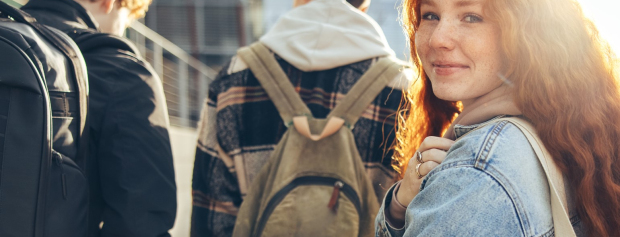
pixel 461 130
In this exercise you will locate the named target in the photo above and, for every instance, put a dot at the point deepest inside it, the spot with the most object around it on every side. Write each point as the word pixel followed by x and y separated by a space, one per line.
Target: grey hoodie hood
pixel 326 34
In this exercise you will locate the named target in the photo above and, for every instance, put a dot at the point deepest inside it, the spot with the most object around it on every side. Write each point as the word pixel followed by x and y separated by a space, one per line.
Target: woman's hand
pixel 431 153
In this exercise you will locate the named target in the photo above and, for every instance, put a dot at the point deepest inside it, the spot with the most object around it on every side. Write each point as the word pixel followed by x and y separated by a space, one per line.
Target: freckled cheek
pixel 421 43
pixel 484 51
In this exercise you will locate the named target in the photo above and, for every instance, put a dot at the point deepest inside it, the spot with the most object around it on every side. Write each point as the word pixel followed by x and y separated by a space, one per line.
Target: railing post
pixel 203 87
pixel 158 59
pixel 183 79
pixel 199 10
pixel 138 39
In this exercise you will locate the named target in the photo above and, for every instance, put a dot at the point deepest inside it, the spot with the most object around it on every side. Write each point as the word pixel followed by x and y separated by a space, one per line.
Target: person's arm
pixel 457 201
pixel 134 156
pixel 386 216
pixel 215 190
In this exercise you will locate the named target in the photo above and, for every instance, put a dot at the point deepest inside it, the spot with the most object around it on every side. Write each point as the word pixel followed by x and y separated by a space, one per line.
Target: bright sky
pixel 606 16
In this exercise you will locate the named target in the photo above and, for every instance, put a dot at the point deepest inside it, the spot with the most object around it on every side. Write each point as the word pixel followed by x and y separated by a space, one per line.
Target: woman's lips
pixel 447 69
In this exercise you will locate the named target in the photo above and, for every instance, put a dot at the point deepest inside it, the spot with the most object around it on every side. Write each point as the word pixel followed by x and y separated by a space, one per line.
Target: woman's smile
pixel 447 68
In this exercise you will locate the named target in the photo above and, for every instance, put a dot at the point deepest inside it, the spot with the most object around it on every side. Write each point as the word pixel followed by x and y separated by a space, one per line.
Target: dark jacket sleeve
pixel 132 176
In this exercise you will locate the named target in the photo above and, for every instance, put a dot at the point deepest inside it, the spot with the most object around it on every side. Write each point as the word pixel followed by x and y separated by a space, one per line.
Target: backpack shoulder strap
pixel 65 45
pixel 366 90
pixel 275 82
pixel 47 33
pixel 89 40
pixel 559 208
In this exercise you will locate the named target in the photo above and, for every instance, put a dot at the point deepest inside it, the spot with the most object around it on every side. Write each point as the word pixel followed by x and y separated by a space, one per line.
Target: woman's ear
pixel 107 6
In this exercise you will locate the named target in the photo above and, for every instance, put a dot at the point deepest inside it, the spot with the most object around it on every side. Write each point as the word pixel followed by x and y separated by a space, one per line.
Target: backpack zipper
pixel 63 178
pixel 333 201
pixel 339 186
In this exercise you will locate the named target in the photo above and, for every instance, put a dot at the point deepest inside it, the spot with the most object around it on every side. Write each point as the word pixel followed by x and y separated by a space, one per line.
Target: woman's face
pixel 459 49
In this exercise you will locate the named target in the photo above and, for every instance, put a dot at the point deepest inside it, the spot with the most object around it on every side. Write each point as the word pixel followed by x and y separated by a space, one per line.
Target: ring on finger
pixel 417 170
pixel 418 155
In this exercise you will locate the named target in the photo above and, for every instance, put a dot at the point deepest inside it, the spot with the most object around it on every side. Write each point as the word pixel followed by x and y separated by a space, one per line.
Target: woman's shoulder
pixel 501 151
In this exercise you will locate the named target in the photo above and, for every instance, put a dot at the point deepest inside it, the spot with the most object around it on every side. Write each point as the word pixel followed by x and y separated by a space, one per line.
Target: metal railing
pixel 13 3
pixel 185 79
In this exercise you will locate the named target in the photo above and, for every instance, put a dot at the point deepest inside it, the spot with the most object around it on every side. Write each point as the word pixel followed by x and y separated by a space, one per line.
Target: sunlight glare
pixel 606 16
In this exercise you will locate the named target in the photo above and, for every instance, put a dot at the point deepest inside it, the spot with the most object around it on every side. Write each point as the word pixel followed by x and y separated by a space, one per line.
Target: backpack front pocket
pixel 67 196
pixel 303 208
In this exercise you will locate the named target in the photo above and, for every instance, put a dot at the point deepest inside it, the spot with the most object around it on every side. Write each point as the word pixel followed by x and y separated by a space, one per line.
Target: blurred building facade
pixel 213 30
pixel 210 30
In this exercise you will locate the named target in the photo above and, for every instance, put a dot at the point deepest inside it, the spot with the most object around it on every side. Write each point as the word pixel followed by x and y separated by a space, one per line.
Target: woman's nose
pixel 443 36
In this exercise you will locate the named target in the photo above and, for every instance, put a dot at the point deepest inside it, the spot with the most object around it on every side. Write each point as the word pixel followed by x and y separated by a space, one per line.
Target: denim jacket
pixel 490 184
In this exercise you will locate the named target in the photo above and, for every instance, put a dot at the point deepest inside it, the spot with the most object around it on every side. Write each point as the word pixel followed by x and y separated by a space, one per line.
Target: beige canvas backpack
pixel 314 183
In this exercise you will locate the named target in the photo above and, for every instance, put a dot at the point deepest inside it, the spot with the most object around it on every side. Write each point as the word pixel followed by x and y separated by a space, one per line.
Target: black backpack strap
pixel 56 40
pixel 89 41
pixel 65 46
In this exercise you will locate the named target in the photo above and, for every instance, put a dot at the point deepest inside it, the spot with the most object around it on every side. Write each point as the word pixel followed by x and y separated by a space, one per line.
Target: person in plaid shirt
pixel 324 46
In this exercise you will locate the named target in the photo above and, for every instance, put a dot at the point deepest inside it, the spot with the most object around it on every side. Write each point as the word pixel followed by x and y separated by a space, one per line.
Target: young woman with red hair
pixel 480 60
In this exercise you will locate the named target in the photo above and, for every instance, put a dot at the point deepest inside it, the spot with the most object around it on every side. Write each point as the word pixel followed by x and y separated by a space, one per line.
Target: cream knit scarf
pixel 497 102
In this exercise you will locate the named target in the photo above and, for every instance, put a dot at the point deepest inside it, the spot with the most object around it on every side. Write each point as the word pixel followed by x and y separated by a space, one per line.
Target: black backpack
pixel 43 106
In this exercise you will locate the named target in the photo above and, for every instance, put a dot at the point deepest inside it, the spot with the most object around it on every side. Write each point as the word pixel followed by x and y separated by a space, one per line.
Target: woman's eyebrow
pixel 465 3
pixel 461 3
pixel 428 2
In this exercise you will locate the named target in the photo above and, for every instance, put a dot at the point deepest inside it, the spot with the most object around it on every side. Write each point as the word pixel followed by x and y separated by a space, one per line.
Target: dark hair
pixel 356 3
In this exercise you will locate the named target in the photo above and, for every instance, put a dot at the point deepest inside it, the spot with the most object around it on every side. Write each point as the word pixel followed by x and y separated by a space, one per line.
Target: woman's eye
pixel 472 19
pixel 430 17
